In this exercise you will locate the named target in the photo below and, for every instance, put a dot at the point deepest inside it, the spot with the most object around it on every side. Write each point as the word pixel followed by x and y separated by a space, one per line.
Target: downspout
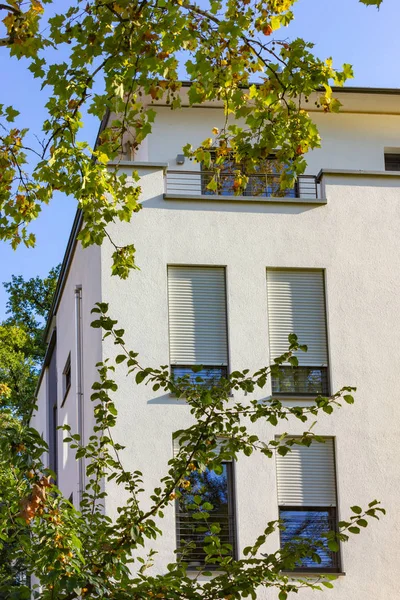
pixel 79 387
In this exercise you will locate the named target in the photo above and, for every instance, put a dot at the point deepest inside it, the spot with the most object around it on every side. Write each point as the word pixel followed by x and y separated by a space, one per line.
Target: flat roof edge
pixel 355 173
pixel 337 89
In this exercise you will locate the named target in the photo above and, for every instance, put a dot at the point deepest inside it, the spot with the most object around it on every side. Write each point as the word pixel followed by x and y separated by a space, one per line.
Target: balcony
pixel 261 187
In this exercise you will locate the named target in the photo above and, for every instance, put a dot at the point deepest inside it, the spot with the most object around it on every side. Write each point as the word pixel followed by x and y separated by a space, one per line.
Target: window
pixel 296 304
pixel 392 161
pixel 306 483
pixel 67 377
pixel 197 322
pixel 264 179
pixel 213 488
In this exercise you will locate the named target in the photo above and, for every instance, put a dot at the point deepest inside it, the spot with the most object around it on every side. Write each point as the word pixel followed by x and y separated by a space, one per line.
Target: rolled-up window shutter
pixel 306 476
pixel 197 316
pixel 296 304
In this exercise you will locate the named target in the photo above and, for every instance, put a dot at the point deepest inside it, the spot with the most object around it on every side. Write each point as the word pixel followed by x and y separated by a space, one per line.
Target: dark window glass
pixel 67 377
pixel 194 534
pixel 301 380
pixel 310 524
pixel 392 162
pixel 210 375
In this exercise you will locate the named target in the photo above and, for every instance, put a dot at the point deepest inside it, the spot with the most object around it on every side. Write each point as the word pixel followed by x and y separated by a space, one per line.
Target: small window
pixel 197 322
pixel 306 482
pixel 296 304
pixel 193 533
pixel 392 161
pixel 67 377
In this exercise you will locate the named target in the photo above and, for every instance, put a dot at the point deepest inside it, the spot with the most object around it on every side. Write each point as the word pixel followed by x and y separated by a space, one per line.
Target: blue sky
pixel 344 29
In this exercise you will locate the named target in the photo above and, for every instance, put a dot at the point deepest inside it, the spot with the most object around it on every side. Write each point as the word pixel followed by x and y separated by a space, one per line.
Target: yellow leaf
pixel 36 6
pixel 103 158
pixel 276 22
pixel 207 143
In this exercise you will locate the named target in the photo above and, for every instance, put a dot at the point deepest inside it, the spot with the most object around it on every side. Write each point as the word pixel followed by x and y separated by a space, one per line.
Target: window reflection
pixel 215 489
pixel 310 524
pixel 209 375
pixel 301 380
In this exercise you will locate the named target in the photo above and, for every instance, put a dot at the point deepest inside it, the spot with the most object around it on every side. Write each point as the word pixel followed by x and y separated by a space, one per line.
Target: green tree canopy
pixel 86 553
pixel 18 372
pixel 106 55
pixel 22 346
pixel 115 56
pixel 28 305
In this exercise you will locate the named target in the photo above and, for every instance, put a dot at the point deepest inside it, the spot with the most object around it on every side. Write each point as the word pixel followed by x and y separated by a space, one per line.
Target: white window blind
pixel 197 316
pixel 296 304
pixel 306 476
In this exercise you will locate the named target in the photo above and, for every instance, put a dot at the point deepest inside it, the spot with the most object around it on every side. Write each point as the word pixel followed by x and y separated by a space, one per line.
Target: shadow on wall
pixel 227 206
pixel 170 399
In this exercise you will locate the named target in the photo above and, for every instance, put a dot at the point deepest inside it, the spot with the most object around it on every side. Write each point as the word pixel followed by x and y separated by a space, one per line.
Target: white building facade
pixel 223 279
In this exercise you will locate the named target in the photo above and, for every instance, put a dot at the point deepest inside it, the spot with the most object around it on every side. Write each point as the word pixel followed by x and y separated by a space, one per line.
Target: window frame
pixel 388 156
pixel 325 391
pixel 66 379
pixel 232 521
pixel 333 517
pixel 192 374
pixel 295 394
pixel 338 568
pixel 188 366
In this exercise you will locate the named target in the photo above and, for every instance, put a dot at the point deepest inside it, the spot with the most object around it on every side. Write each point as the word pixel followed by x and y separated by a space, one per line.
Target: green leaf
pixel 362 522
pixel 356 509
pixel 333 545
pixel 11 114
pixel 373 503
pixel 112 409
pixel 140 376
pixel 354 529
pixel 376 3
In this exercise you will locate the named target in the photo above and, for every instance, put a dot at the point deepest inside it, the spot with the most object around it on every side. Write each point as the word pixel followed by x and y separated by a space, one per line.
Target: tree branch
pixel 12 9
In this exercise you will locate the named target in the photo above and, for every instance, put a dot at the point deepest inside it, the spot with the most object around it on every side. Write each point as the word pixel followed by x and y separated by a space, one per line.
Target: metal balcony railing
pixel 195 183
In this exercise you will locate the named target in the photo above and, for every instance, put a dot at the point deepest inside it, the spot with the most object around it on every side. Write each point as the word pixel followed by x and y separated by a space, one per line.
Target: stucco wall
pixel 349 140
pixel 355 239
pixel 84 271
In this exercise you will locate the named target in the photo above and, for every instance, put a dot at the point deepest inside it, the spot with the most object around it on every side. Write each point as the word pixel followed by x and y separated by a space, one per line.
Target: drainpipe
pixel 79 387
